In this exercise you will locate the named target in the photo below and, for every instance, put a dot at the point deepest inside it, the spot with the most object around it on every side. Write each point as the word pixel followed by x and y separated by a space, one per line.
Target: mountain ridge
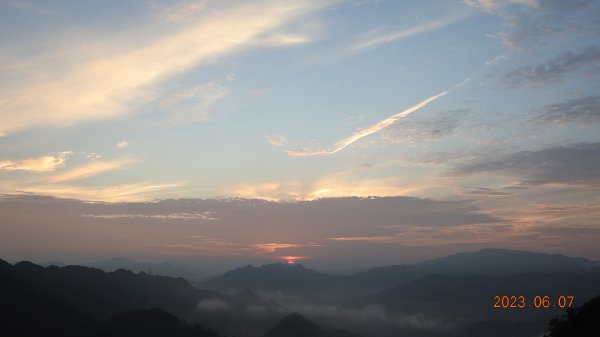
pixel 100 294
pixel 297 325
pixel 297 279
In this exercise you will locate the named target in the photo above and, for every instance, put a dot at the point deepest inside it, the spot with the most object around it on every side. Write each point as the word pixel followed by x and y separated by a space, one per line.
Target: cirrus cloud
pixel 117 81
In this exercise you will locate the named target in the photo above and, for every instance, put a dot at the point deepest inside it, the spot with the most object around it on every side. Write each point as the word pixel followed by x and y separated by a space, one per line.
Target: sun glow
pixel 290 260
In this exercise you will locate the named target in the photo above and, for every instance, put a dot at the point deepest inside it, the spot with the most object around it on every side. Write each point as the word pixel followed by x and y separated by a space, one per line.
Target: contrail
pixel 340 145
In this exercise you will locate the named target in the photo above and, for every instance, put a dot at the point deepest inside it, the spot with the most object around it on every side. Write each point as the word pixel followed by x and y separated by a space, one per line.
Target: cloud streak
pixel 273 247
pixel 340 184
pixel 342 144
pixel 89 170
pixel 374 42
pixel 141 191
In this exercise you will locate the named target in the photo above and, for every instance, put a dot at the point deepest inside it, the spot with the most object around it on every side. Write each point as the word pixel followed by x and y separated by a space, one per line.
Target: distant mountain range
pixel 504 262
pixel 162 268
pixel 447 297
pixel 278 277
pixel 444 295
pixel 84 301
pixel 298 280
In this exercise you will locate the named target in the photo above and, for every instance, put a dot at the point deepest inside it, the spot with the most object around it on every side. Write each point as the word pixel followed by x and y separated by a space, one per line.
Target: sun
pixel 290 260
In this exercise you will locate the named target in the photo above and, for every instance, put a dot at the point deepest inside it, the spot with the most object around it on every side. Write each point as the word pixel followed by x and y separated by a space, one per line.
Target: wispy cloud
pixel 194 104
pixel 376 40
pixel 339 184
pixel 122 144
pixel 340 145
pixel 89 170
pixel 431 236
pixel 184 216
pixel 483 191
pixel 532 22
pixel 208 90
pixel 362 238
pixel 277 140
pixel 272 191
pixel 28 6
pixel 573 165
pixel 583 110
pixel 555 69
pixel 286 39
pixel 40 164
pixel 117 82
pixel 493 5
pixel 180 11
pixel 273 247
pixel 142 191
pixel 442 124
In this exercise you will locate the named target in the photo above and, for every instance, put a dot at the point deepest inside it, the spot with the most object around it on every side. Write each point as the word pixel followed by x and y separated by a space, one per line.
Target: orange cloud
pixel 88 170
pixel 111 84
pixel 338 185
pixel 142 191
pixel 272 247
pixel 40 164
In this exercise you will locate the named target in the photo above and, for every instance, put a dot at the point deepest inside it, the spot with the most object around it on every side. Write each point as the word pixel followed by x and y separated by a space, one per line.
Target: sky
pixel 337 133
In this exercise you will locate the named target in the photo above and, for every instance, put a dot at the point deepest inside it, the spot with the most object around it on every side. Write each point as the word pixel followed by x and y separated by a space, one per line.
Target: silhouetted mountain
pixel 77 301
pixel 246 298
pixel 474 295
pixel 278 277
pixel 151 323
pixel 100 294
pixel 483 262
pixel 296 325
pixel 31 307
pixel 378 278
pixel 163 268
pixel 578 322
pixel 470 299
pixel 52 263
pixel 27 311
pixel 298 280
pixel 503 262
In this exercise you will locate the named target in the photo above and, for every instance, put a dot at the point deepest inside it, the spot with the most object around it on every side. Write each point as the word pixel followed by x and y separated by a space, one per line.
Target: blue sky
pixel 493 104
